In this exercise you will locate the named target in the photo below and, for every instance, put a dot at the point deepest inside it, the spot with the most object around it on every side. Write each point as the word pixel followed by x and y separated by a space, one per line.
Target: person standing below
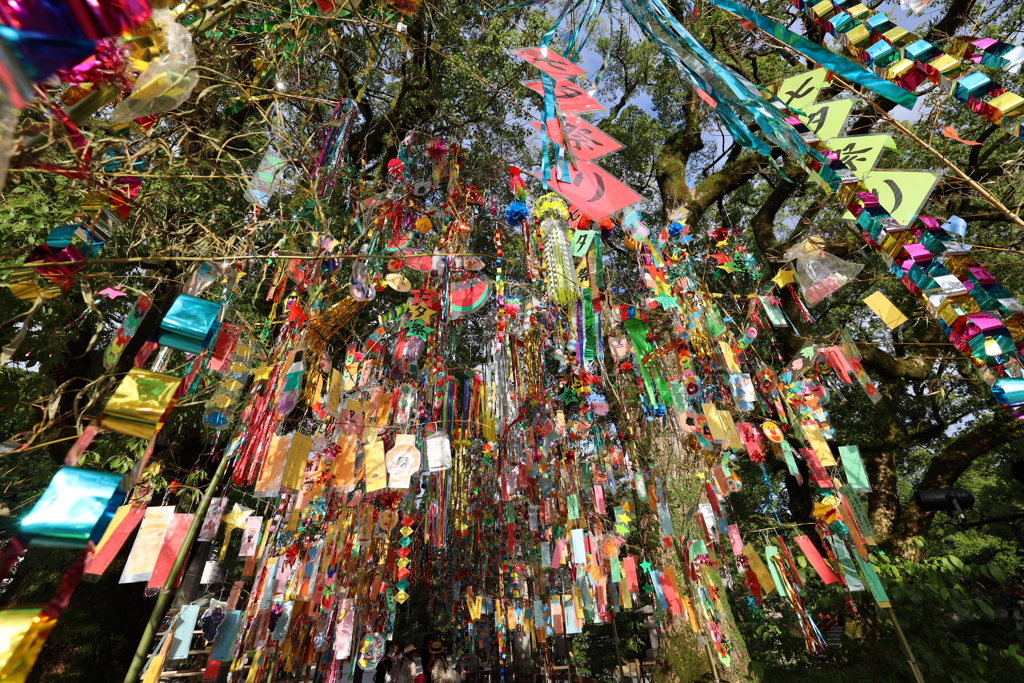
pixel 426 659
pixel 406 672
pixel 439 668
pixel 385 664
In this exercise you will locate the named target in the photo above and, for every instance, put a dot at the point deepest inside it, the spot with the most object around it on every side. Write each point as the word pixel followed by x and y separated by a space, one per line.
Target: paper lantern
pixel 77 506
pixel 139 404
pixel 190 325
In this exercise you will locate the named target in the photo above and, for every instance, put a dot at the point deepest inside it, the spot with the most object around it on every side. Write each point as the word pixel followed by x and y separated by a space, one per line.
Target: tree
pixel 272 76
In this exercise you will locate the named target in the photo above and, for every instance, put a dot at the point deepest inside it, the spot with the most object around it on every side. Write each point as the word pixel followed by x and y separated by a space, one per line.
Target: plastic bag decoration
pixel 140 403
pixel 817 272
pixel 16 92
pixel 265 180
pixel 166 83
pixel 75 508
pixel 190 325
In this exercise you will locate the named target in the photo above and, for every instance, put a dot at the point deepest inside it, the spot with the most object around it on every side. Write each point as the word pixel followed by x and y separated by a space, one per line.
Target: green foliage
pixel 960 622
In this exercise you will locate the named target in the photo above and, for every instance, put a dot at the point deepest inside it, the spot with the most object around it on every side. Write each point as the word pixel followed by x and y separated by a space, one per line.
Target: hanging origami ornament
pixel 406 407
pixel 439 451
pixel 207 274
pixel 560 275
pixel 190 324
pixel 166 82
pixel 371 651
pixel 362 288
pixel 221 406
pixel 817 272
pixel 76 507
pixel 140 403
pixel 398 282
pixel 402 461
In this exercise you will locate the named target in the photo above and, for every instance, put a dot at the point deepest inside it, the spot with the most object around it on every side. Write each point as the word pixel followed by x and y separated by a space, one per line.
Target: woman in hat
pixel 406 672
pixel 438 668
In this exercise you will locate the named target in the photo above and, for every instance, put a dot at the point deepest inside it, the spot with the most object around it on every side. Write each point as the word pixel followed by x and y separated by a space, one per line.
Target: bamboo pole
pixel 906 646
pixel 179 561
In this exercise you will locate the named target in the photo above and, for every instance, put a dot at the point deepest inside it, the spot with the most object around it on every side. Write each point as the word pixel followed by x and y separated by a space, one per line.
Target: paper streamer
pixel 148 542
pixel 184 625
pixel 173 538
pixel 817 561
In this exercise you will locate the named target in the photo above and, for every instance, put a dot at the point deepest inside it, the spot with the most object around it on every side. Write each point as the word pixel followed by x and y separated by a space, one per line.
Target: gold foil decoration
pixel 320 329
pixel 22 635
pixel 140 403
pixel 295 465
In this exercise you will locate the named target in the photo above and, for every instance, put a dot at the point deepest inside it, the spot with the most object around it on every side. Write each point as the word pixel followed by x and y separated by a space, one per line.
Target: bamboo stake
pixel 906 646
pixel 179 561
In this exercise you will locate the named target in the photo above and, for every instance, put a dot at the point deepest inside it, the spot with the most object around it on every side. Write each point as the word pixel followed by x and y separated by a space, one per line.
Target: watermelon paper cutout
pixel 469 296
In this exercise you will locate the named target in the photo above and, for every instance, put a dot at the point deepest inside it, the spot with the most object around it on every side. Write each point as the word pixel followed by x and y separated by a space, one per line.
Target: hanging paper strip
pixel 183 626
pixel 874 583
pixel 211 522
pixel 854 468
pixel 571 98
pixel 596 193
pixel 225 636
pixel 814 557
pixel 549 62
pixel 148 542
pixel 764 577
pixel 295 463
pixel 173 538
pixel 127 330
pixel 583 139
pixel 124 523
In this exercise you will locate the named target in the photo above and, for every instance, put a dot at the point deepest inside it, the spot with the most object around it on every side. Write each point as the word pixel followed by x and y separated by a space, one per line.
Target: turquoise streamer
pixel 822 56
pixel 498 10
pixel 733 93
pixel 548 111
pixel 546 115
pixel 572 48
